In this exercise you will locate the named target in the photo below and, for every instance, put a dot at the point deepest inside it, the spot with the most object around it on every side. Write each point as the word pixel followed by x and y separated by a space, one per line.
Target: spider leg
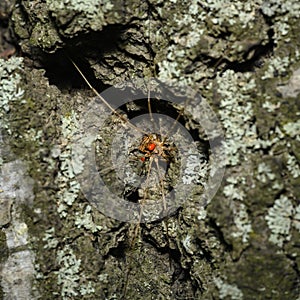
pixel 161 183
pixel 145 193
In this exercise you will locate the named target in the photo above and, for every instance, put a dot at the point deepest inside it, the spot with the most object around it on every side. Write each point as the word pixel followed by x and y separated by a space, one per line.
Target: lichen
pixel 265 173
pixel 228 290
pixel 68 275
pixel 236 114
pixel 277 67
pixel 234 12
pixel 206 22
pixel 271 107
pixel 241 220
pixel 69 187
pixel 293 129
pixel 232 190
pixel 51 242
pixel 10 89
pixel 279 220
pixel 196 169
pixel 86 289
pixel 291 8
pixel 282 13
pixel 296 219
pixel 242 223
pixel 89 6
pixel 293 166
pixel 85 220
pixel 93 12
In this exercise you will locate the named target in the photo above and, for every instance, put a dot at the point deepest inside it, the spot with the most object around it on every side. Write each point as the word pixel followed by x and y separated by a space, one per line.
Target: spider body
pixel 153 145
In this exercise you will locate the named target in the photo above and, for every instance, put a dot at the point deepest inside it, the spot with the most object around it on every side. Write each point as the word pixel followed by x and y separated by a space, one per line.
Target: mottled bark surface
pixel 242 57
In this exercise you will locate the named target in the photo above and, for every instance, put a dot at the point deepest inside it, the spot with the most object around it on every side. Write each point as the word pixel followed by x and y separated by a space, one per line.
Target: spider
pixel 152 145
pixel 157 150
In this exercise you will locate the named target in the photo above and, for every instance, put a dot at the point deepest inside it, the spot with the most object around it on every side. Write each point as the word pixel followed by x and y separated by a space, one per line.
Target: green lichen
pixel 293 166
pixel 91 7
pixel 277 66
pixel 293 129
pixel 232 189
pixel 69 187
pixel 10 89
pixel 265 173
pixel 271 107
pixel 86 289
pixel 242 223
pixel 85 220
pixel 68 275
pixel 290 8
pixel 236 113
pixel 296 219
pixel 206 22
pixel 279 220
pixel 228 290
pixel 283 15
pixel 196 169
pixel 92 13
pixel 233 12
pixel 51 242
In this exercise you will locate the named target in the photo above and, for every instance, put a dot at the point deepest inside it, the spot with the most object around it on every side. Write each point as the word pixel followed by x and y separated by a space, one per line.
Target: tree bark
pixel 242 58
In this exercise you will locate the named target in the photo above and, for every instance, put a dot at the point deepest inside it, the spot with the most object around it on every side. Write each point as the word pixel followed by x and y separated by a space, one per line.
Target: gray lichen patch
pixel 208 22
pixel 17 270
pixel 280 219
pixel 228 290
pixel 17 274
pixel 292 88
pixel 91 14
pixel 10 90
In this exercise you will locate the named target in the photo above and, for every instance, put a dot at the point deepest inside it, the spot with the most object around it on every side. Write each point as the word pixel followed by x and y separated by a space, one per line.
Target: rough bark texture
pixel 243 57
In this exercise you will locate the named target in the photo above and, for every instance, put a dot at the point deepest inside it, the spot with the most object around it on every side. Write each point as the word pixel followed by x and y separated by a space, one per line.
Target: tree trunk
pixel 101 203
